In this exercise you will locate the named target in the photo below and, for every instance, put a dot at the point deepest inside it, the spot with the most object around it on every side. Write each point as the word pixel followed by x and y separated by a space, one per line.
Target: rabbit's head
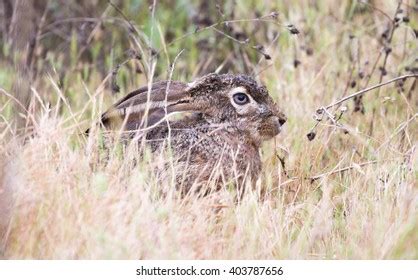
pixel 235 101
pixel 240 103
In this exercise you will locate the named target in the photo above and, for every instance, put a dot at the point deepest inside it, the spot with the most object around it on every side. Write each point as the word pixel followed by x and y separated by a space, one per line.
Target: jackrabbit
pixel 229 117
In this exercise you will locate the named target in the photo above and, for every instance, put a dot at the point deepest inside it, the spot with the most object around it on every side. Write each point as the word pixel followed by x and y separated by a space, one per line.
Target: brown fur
pixel 216 135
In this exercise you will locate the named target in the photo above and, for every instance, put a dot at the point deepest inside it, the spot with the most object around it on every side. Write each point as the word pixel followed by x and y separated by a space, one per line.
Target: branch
pixel 316 177
pixel 363 91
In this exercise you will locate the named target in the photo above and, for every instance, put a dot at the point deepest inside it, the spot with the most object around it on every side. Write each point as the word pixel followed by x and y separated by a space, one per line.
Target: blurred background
pixel 120 42
pixel 336 185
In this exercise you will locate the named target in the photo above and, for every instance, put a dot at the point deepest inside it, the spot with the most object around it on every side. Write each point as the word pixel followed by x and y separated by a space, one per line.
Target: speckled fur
pixel 216 135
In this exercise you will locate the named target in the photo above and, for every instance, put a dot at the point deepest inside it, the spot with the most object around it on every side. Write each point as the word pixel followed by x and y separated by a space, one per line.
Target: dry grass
pixel 62 196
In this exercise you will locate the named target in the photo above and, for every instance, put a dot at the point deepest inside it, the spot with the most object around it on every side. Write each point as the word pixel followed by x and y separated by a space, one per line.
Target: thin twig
pixel 319 176
pixel 399 129
pixel 363 91
pixel 132 29
pixel 214 25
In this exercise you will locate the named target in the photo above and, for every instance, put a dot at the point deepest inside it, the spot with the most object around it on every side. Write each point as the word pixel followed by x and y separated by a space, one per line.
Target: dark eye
pixel 240 98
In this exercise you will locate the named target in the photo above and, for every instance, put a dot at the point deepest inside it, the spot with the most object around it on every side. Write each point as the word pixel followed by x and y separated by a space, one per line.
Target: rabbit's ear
pixel 164 97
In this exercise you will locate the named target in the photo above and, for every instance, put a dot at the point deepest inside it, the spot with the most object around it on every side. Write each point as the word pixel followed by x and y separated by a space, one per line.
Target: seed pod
pixel 267 56
pixel 383 71
pixel 311 135
pixel 292 29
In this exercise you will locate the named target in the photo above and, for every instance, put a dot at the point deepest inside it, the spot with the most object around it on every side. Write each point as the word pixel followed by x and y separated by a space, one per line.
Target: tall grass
pixel 351 193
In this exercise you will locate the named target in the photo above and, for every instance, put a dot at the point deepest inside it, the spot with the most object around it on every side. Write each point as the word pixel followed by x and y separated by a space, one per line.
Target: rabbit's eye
pixel 241 98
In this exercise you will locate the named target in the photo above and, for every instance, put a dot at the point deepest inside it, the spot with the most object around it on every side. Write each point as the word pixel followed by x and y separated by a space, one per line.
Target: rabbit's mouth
pixel 271 127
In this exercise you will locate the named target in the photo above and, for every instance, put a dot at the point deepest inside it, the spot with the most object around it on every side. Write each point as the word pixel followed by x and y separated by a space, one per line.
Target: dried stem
pixel 363 91
pixel 319 176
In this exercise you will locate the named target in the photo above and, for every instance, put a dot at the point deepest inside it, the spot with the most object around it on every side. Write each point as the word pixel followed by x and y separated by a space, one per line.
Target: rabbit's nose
pixel 282 119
